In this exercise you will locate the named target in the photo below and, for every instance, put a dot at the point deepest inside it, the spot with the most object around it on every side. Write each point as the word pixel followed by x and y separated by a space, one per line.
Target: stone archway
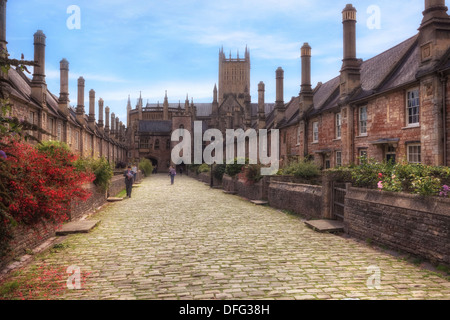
pixel 155 164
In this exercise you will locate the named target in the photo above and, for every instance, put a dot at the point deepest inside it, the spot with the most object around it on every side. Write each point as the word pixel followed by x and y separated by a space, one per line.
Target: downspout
pixel 444 114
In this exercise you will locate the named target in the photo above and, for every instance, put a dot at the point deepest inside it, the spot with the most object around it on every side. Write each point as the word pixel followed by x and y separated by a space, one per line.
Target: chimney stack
pixel 38 85
pixel 107 121
pixel 63 101
pixel 80 103
pixel 434 9
pixel 306 93
pixel 261 106
pixel 113 123
pixel 117 128
pixel 279 103
pixel 100 114
pixel 351 70
pixel 3 42
pixel 91 118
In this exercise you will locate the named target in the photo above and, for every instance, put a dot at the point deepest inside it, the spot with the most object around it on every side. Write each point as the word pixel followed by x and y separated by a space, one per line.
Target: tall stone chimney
pixel 112 131
pixel 63 101
pixel 80 103
pixel 434 32
pixel 306 93
pixel 261 106
pixel 128 112
pixel 3 41
pixel 91 118
pixel 117 128
pixel 351 70
pixel 100 115
pixel 38 84
pixel 107 121
pixel 279 103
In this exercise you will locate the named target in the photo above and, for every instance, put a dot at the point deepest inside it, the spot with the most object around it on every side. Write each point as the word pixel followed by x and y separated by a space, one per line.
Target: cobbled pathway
pixel 187 241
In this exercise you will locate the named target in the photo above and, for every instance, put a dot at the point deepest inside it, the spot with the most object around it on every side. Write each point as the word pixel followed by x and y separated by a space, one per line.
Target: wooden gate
pixel 337 201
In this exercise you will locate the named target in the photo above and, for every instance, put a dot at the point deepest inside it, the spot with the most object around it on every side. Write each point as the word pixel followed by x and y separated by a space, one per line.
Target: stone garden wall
pixel 411 223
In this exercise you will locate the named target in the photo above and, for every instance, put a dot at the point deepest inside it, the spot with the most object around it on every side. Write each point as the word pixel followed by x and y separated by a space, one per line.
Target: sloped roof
pixel 155 126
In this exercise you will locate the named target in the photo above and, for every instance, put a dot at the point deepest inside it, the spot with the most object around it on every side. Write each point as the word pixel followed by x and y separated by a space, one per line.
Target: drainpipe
pixel 444 114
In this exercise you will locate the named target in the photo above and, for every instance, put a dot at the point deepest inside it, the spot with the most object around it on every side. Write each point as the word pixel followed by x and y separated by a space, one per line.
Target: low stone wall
pixel 414 224
pixel 302 199
pixel 228 183
pixel 26 238
pixel 252 191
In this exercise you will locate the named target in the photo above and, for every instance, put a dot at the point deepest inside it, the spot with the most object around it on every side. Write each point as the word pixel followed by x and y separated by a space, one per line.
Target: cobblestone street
pixel 187 241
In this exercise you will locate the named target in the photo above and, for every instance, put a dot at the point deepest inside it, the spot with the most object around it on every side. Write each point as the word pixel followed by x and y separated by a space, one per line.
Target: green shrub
pixel 253 173
pixel 146 166
pixel 218 171
pixel 103 171
pixel 203 168
pixel 50 147
pixel 302 169
pixel 235 168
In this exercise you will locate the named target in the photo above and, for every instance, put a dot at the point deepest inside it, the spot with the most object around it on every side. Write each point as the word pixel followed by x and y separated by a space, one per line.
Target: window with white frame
pixel 413 107
pixel 363 155
pixel 414 153
pixel 338 158
pixel 315 131
pixel 363 121
pixel 338 125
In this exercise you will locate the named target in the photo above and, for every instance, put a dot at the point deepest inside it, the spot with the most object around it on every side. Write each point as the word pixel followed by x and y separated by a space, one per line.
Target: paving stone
pixel 188 241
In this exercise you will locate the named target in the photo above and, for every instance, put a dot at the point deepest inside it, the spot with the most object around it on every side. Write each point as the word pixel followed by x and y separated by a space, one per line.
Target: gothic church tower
pixel 234 76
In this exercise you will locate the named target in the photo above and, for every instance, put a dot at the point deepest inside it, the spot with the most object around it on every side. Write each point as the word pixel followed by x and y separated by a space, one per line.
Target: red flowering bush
pixel 42 183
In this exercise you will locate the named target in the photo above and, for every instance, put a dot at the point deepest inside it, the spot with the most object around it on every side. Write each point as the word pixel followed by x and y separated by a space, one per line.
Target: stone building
pixel 150 127
pixel 392 107
pixel 32 101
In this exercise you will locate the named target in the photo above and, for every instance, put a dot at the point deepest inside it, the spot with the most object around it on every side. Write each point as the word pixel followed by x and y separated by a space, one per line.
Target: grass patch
pixel 8 287
pixel 122 194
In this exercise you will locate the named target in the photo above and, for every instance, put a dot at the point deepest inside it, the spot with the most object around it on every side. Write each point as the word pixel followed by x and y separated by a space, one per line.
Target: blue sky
pixel 124 47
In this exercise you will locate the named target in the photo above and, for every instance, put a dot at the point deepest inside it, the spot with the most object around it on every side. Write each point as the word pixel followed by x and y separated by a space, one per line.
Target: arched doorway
pixel 154 164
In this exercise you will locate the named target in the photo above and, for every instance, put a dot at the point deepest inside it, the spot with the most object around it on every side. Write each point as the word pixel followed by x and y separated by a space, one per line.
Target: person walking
pixel 172 174
pixel 128 174
pixel 181 170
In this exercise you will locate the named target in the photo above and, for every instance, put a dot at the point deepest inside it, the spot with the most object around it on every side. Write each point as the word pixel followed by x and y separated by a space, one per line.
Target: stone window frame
pixel 157 144
pixel 315 131
pixel 338 157
pixel 144 143
pixel 338 125
pixel 417 154
pixel 362 122
pixel 414 118
pixel 58 131
pixel 69 135
pixel 77 140
pixel 299 129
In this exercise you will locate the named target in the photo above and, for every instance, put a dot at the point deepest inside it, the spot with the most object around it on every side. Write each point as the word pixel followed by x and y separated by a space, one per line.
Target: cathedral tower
pixel 234 76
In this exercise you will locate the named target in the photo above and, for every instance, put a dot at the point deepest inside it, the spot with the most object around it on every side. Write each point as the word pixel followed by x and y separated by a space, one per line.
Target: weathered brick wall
pixel 80 208
pixel 25 238
pixel 299 198
pixel 420 226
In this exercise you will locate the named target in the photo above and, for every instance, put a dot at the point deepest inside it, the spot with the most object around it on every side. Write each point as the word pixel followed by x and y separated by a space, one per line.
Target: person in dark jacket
pixel 128 174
